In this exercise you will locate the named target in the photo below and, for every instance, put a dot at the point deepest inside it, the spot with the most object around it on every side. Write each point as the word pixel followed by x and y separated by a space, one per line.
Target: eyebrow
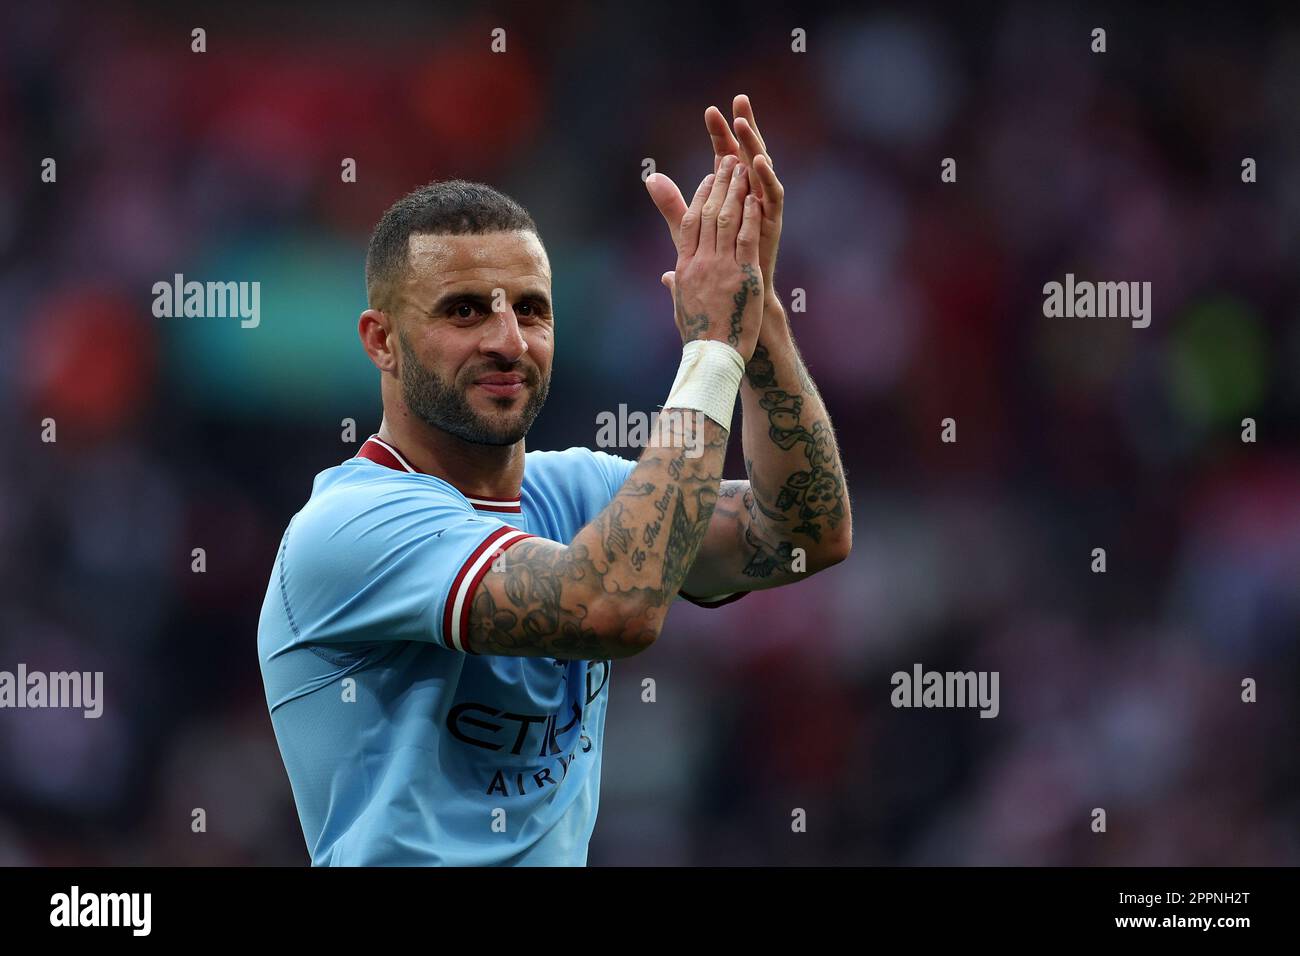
pixel 484 302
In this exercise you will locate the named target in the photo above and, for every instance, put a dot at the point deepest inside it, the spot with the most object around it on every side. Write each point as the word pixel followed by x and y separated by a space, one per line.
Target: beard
pixel 445 406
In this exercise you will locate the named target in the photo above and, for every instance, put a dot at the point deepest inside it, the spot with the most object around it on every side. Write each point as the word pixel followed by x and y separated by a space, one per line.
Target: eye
pixel 464 310
pixel 532 309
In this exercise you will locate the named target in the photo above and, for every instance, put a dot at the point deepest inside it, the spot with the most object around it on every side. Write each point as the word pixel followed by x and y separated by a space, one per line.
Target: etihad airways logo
pixel 500 731
pixel 503 732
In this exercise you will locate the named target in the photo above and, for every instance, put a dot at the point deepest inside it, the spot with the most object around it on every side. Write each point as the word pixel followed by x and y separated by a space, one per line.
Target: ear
pixel 377 338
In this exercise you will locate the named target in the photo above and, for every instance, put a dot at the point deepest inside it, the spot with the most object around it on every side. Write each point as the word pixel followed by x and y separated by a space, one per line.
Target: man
pixel 438 629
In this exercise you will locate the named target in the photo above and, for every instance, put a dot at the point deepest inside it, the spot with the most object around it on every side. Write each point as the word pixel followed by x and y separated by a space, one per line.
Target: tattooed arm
pixel 607 592
pixel 791 518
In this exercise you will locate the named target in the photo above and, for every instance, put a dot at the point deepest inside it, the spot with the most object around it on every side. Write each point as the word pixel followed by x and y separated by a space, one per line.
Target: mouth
pixel 502 384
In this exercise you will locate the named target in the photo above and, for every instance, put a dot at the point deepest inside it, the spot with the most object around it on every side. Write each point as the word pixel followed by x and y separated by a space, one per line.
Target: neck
pixel 492 471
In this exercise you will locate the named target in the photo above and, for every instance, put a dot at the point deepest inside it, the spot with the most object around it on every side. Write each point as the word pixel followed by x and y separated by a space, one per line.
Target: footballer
pixel 442 614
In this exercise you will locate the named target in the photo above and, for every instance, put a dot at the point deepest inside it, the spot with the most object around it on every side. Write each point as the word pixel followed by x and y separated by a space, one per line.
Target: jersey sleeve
pixel 616 471
pixel 387 562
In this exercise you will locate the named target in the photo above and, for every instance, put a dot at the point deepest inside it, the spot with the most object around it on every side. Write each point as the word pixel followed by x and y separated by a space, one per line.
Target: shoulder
pixel 375 554
pixel 360 483
pixel 353 501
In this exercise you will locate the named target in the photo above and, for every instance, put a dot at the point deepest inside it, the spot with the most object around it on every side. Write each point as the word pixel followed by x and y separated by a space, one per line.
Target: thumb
pixel 669 280
pixel 668 200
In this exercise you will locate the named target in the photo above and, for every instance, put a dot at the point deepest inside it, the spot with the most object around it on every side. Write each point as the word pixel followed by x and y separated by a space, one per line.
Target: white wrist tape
pixel 708 380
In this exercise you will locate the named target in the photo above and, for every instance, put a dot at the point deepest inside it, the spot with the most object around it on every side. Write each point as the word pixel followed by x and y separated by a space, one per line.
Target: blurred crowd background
pixel 924 299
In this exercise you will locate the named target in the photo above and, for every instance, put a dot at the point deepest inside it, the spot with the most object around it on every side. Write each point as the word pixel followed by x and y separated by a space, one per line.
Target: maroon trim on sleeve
pixel 466 580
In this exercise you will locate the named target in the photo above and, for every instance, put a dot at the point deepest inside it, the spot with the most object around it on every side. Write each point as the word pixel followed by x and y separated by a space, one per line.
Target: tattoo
pixel 679 536
pixel 814 495
pixel 651 533
pixel 762 558
pixel 617 538
pixel 752 502
pixel 685 535
pixel 535 615
pixel 748 286
pixel 676 465
pixel 760 371
pixel 693 326
pixel 766 560
pixel 609 589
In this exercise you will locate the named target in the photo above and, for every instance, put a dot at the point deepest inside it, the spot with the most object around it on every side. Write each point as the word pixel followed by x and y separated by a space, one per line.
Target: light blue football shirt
pixel 403 747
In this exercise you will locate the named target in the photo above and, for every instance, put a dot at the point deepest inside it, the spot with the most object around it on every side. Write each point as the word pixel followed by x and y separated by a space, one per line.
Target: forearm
pixel 606 594
pixel 646 540
pixel 797 496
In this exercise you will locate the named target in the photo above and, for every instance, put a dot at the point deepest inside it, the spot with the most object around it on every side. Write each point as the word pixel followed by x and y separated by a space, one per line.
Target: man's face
pixel 476 334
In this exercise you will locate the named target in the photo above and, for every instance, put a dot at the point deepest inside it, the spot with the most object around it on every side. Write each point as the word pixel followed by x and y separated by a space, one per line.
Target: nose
pixel 502 338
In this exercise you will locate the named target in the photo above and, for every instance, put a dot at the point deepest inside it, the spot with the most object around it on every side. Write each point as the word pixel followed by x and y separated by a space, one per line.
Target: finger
pixel 733 210
pixel 713 205
pixel 689 235
pixel 668 200
pixel 749 141
pixel 750 146
pixel 742 108
pixel 747 237
pixel 724 144
pixel 773 191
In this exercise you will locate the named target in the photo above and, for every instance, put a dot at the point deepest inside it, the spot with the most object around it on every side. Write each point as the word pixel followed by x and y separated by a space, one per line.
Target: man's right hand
pixel 717 286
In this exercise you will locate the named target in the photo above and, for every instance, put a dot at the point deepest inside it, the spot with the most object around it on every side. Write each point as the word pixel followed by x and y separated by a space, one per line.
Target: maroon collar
pixel 379 451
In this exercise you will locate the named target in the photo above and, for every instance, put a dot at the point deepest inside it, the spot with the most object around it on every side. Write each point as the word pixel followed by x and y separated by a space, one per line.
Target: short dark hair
pixel 452 207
